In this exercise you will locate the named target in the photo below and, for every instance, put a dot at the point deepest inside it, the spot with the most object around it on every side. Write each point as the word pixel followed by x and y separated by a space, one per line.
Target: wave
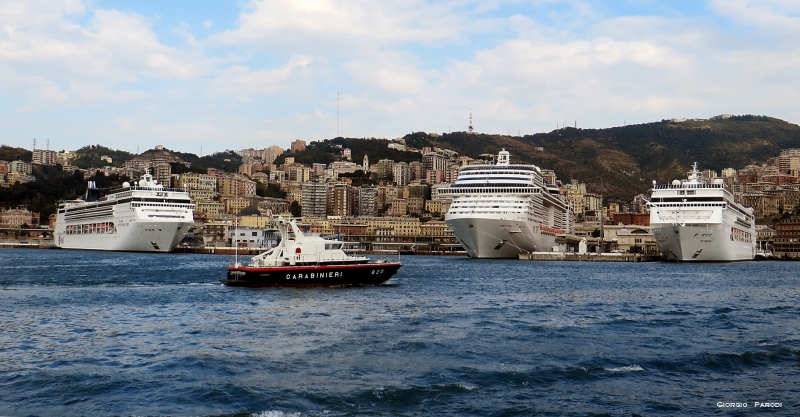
pixel 458 387
pixel 629 368
pixel 275 413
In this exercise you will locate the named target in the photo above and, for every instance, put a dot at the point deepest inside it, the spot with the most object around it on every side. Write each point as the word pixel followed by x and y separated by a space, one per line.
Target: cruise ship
pixel 142 217
pixel 502 210
pixel 694 220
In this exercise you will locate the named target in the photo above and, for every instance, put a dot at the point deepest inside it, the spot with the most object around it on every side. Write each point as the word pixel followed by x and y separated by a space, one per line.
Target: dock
pixel 589 257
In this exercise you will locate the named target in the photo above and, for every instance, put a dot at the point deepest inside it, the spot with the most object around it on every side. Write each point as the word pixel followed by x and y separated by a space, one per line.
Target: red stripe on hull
pixel 311 276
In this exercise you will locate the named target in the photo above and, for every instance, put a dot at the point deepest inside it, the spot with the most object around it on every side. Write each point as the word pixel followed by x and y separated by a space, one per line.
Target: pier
pixel 589 257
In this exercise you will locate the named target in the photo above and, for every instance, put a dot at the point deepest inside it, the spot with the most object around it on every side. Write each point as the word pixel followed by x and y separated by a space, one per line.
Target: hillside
pixel 629 158
pixel 89 157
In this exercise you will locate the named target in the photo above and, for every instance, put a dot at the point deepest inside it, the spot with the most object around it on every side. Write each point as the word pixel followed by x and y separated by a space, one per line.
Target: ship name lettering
pixel 316 275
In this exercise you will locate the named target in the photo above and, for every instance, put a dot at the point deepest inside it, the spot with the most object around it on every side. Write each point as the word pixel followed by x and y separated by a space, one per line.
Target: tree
pixel 295 209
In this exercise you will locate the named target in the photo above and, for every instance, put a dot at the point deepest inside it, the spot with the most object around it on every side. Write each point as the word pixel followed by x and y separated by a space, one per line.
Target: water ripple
pixel 86 333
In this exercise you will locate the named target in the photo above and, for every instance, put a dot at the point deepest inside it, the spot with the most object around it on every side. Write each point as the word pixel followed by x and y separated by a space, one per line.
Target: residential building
pixel 366 201
pixel 211 209
pixel 422 191
pixel 433 176
pixel 340 199
pixel 575 194
pixel 236 185
pixel 434 161
pixel 163 174
pixel 763 204
pixel 385 169
pixel 417 171
pixel 277 176
pixel 415 205
pixel 199 186
pixel 401 174
pixel 315 199
pixel 234 205
pixel 298 146
pixel 633 219
pixel 20 167
pixel 438 207
pixel 45 157
pixel 245 169
pixel 275 206
pixel 397 208
pixel 18 217
pixel 272 153
pixel 787 238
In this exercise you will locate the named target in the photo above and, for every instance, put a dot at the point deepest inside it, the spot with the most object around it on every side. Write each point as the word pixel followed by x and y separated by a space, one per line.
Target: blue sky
pixel 239 74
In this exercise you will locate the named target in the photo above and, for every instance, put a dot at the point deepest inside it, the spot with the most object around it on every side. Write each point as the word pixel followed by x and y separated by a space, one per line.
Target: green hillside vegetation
pixel 330 150
pixel 629 158
pixel 8 153
pixel 51 185
pixel 227 161
pixel 89 157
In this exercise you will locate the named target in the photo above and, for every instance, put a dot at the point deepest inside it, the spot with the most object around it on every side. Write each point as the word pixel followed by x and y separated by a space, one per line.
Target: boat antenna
pixel 236 232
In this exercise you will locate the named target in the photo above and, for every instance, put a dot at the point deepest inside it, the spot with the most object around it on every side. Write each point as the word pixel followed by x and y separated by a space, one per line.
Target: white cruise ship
pixel 145 217
pixel 502 210
pixel 693 220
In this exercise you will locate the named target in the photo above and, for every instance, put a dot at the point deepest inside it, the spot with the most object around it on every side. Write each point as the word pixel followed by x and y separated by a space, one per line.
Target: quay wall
pixel 589 257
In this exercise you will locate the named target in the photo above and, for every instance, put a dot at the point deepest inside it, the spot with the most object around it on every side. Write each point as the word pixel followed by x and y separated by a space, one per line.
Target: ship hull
pixel 498 238
pixel 129 237
pixel 701 243
pixel 311 276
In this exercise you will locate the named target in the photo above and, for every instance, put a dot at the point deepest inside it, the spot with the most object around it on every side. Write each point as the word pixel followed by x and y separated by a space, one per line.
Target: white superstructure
pixel 502 210
pixel 693 220
pixel 144 217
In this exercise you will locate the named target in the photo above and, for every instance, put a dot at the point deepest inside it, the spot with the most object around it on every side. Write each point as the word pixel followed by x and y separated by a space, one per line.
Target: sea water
pixel 93 333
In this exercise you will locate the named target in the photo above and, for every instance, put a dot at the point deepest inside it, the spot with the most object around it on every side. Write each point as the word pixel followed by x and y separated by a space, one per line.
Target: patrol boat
pixel 302 260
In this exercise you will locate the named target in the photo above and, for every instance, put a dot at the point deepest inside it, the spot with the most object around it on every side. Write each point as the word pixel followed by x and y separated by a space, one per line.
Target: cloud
pixel 242 83
pixel 391 71
pixel 318 24
pixel 400 66
pixel 774 15
pixel 40 43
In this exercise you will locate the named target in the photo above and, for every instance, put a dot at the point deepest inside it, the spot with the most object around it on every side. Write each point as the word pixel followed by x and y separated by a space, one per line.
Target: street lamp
pixel 602 213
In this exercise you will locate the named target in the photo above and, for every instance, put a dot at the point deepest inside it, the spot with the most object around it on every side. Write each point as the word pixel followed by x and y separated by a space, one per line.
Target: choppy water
pixel 87 333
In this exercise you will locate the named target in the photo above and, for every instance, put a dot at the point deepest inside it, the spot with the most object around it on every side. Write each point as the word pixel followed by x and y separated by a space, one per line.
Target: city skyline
pixel 233 75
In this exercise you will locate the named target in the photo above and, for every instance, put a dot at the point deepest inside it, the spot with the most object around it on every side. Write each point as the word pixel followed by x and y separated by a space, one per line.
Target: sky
pixel 204 76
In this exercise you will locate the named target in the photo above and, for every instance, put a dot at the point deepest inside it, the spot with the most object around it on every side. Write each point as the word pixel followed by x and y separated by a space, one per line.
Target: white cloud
pixel 243 83
pixel 774 15
pixel 400 66
pixel 347 24
pixel 391 71
pixel 39 41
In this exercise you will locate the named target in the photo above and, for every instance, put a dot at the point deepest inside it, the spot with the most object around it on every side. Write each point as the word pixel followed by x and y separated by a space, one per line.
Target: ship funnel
pixel 503 158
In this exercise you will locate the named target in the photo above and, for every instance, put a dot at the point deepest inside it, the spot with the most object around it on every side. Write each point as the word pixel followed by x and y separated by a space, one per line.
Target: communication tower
pixel 471 129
